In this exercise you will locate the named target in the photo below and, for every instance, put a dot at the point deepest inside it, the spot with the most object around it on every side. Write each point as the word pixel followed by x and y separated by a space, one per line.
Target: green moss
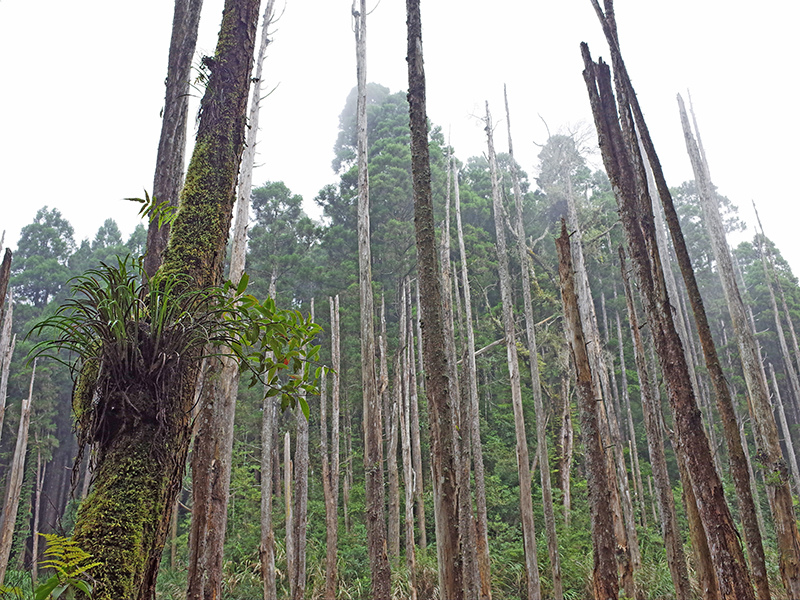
pixel 83 394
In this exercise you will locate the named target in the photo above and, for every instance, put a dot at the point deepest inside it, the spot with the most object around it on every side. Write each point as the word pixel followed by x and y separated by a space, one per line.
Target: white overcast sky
pixel 83 87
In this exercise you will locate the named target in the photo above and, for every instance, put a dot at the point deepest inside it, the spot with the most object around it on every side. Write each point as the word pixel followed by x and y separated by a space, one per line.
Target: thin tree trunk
pixel 391 410
pixel 266 548
pixel 443 420
pixel 288 505
pixel 14 481
pixel 416 444
pixel 173 536
pixel 536 385
pixel 604 574
pixel 787 437
pixel 5 275
pixel 626 171
pixel 767 434
pixel 523 461
pixel 330 460
pixel 481 527
pixel 654 428
pixel 373 446
pixel 170 160
pixel 37 510
pixel 7 344
pixel 300 513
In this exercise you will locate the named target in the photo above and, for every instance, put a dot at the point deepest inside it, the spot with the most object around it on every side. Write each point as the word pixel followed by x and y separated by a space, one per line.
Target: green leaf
pixel 43 591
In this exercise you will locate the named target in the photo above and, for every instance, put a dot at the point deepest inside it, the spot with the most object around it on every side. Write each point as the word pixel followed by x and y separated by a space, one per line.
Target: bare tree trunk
pixel 266 548
pixel 787 437
pixel 626 170
pixel 37 510
pixel 444 435
pixel 604 576
pixel 416 445
pixel 330 460
pixel 171 155
pixel 300 513
pixel 481 527
pixel 173 536
pixel 15 476
pixel 5 275
pixel 767 434
pixel 567 439
pixel 523 461
pixel 402 370
pixel 391 410
pixel 536 385
pixel 373 447
pixel 7 343
pixel 288 504
pixel 654 428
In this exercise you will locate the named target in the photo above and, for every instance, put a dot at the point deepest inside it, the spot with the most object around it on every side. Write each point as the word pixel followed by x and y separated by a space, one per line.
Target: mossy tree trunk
pixel 125 519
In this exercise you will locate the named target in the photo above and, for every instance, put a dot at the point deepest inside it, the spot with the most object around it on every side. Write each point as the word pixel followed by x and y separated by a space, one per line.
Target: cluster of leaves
pixel 124 326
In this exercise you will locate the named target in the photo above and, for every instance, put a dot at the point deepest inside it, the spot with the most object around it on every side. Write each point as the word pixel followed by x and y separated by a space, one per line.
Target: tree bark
pixel 392 411
pixel 787 437
pixel 288 506
pixel 626 171
pixel 523 460
pixel 266 548
pixel 654 428
pixel 416 443
pixel 481 527
pixel 170 159
pixel 373 446
pixel 444 436
pixel 14 483
pixel 7 344
pixel 300 513
pixel 536 385
pixel 5 275
pixel 604 573
pixel 41 469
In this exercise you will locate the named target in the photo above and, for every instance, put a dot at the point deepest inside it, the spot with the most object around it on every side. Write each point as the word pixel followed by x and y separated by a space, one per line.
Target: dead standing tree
pixel 625 167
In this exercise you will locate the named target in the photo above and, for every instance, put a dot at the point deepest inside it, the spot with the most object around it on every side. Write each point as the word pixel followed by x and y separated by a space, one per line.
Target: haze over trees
pixel 562 384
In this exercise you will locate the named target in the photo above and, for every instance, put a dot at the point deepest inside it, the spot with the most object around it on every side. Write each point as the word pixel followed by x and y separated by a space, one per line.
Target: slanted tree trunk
pixel 481 527
pixel 443 420
pixel 654 428
pixel 626 171
pixel 373 446
pixel 330 460
pixel 523 461
pixel 767 434
pixel 604 574
pixel 14 481
pixel 787 436
pixel 139 472
pixel 536 385
pixel 170 160
pixel 266 548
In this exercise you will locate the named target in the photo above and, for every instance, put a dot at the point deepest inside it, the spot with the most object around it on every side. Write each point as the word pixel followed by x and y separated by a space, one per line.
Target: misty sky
pixel 83 89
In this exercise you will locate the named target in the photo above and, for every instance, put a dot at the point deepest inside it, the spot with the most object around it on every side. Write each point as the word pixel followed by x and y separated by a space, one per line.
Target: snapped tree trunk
pixel 139 471
pixel 170 159
pixel 7 343
pixel 604 574
pixel 444 436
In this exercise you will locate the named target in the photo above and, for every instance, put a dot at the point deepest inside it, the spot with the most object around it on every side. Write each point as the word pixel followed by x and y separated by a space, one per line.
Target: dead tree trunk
pixel 604 577
pixel 536 385
pixel 171 155
pixel 416 446
pixel 392 432
pixel 444 435
pixel 626 171
pixel 41 469
pixel 481 528
pixel 330 460
pixel 787 437
pixel 567 438
pixel 767 434
pixel 7 343
pixel 373 445
pixel 655 440
pixel 269 471
pixel 15 476
pixel 523 461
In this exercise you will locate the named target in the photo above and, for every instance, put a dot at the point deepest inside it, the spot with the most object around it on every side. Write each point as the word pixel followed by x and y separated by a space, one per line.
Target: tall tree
pixel 139 469
pixel 170 159
pixel 373 446
pixel 443 419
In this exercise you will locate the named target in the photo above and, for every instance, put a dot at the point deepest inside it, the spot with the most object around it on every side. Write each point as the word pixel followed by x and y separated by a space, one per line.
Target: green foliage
pixel 152 208
pixel 71 565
